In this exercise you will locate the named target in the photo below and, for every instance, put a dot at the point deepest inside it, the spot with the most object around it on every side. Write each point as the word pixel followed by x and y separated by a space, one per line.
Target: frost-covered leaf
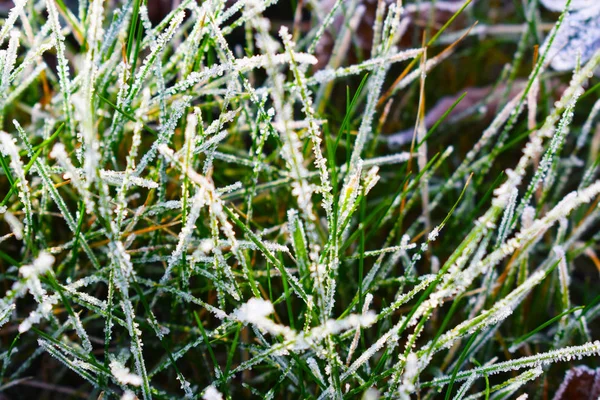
pixel 580 382
pixel 578 38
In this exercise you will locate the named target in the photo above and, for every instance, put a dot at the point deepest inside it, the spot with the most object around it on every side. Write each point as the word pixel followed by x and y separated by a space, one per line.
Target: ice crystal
pixel 211 393
pixel 122 374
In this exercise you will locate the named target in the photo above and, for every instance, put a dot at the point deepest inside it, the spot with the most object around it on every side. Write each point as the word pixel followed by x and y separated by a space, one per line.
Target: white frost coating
pixel 122 374
pixel 9 148
pixel 313 129
pixel 411 368
pixel 565 354
pixel 212 199
pixel 238 66
pixel 10 59
pixel 506 190
pixel 577 37
pixel 78 177
pixel 211 393
pixel 278 123
pixel 332 326
pixel 349 192
pixel 510 109
pixel 136 345
pixel 465 386
pixel 156 48
pixel 33 318
pixel 354 344
pixel 16 226
pixel 371 179
pixel 62 65
pixel 230 188
pixel 206 246
pixel 571 377
pixel 255 311
pixel 327 75
pixel 433 234
pixel 159 208
pixel 39 267
pixel 411 371
pixel 563 275
pixel 371 394
pixel 83 100
pixel 5 313
pixel 389 159
pixel 527 217
pixel 44 310
pixel 314 367
pixel 117 178
pixel 559 5
pixel 507 216
pixel 101 304
pixel 371 351
pixel 128 395
pixel 185 235
pixel 12 17
pixel 185 386
pixel 497 313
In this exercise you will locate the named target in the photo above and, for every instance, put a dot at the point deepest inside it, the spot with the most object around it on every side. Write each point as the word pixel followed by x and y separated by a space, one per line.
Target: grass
pixel 292 200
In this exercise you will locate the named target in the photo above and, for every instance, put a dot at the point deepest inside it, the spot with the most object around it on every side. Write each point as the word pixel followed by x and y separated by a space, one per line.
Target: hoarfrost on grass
pixel 220 201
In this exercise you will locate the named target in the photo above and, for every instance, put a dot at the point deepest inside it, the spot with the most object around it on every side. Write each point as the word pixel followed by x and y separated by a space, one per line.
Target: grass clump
pixel 259 200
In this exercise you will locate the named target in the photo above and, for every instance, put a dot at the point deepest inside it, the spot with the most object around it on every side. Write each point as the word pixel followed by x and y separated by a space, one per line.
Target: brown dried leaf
pixel 580 383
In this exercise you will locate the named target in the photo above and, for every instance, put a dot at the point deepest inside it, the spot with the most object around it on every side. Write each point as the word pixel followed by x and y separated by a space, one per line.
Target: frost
pixel 314 367
pixel 579 35
pixel 255 311
pixel 433 234
pixel 536 361
pixel 122 374
pixel 12 16
pixel 559 5
pixel 16 226
pixel 76 176
pixel 39 267
pixel 210 194
pixel 371 394
pixel 128 395
pixel 117 178
pixel 211 393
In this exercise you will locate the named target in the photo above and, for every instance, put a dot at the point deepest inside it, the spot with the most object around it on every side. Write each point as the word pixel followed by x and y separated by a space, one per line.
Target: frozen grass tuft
pixel 213 204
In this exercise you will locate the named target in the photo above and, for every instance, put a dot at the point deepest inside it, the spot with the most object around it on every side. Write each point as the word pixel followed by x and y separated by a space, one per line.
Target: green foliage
pixel 215 204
